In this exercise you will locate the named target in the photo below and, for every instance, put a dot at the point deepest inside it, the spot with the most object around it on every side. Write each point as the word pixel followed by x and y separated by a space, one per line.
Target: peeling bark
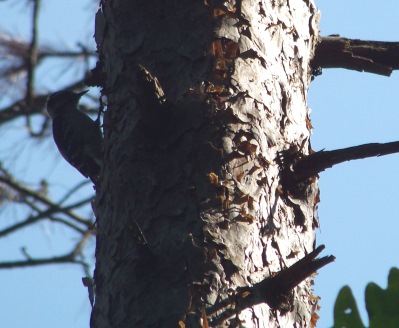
pixel 202 97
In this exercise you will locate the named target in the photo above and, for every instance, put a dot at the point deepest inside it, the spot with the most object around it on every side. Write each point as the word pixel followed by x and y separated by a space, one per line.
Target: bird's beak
pixel 80 94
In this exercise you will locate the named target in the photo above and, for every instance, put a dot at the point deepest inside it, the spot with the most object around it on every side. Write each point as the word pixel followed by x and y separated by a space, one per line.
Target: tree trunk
pixel 205 101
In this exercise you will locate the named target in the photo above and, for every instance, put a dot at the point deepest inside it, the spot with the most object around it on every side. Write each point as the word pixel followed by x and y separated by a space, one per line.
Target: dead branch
pixel 369 56
pixel 273 290
pixel 320 161
pixel 52 207
pixel 71 257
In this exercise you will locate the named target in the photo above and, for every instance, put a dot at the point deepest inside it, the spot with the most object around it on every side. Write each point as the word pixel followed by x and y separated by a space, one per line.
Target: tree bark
pixel 191 209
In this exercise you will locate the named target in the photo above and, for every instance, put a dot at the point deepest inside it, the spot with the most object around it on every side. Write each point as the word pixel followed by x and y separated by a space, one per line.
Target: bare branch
pixel 72 191
pixel 31 59
pixel 319 161
pixel 48 214
pixel 273 290
pixel 71 257
pixel 67 223
pixel 369 56
pixel 297 168
pixel 78 204
pixel 14 54
pixel 7 179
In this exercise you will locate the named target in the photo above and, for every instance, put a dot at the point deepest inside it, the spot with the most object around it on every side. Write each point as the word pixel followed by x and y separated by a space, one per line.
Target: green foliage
pixel 346 313
pixel 382 305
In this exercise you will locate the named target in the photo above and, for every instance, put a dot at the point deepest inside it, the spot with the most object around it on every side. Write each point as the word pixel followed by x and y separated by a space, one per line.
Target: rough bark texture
pixel 192 205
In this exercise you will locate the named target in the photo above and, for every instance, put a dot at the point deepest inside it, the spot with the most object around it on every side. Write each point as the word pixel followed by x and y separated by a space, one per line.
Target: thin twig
pixel 53 207
pixel 72 191
pixel 31 63
pixel 71 257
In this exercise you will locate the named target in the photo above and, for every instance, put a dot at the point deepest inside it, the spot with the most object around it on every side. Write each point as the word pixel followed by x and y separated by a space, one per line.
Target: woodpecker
pixel 77 136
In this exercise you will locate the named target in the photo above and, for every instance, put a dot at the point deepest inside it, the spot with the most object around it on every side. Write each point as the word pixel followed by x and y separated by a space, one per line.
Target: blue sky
pixel 358 208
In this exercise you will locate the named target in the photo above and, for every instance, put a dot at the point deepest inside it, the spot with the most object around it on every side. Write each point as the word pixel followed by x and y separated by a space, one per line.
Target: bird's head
pixel 63 101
